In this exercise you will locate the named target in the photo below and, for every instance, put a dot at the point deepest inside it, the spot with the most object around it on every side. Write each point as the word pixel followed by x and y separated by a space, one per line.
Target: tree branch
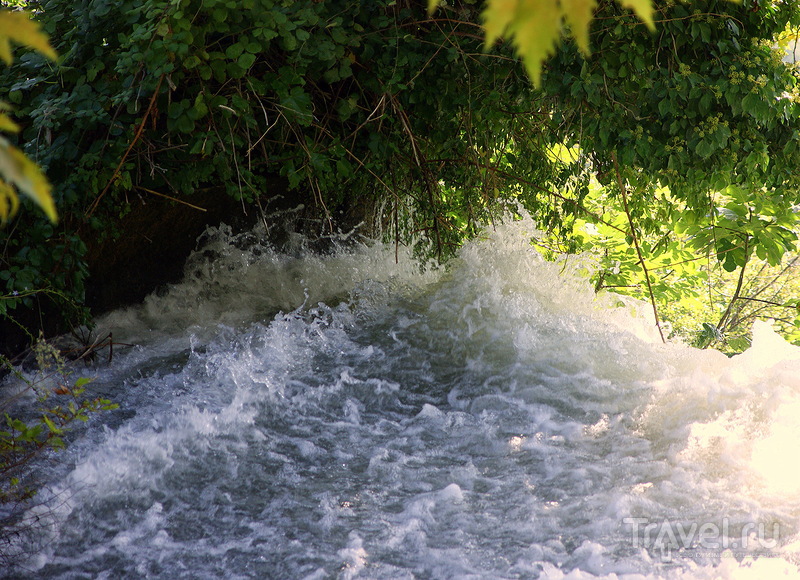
pixel 636 245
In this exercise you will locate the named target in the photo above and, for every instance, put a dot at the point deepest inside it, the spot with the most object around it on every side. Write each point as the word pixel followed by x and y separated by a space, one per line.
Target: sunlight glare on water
pixel 346 416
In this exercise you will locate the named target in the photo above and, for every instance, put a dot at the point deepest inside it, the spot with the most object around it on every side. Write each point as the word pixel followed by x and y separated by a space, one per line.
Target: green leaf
pixel 83 381
pixel 234 50
pixel 704 105
pixel 51 425
pixel 643 9
pixel 344 168
pixel 753 104
pixel 534 27
pixel 246 60
pixel 184 124
pixel 704 149
pixel 710 332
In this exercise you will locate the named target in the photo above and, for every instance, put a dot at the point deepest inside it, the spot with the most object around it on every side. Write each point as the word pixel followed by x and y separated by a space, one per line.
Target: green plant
pixel 30 428
pixel 705 297
pixel 376 104
pixel 535 26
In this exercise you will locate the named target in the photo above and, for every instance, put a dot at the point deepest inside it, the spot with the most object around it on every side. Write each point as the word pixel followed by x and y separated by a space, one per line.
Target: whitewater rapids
pixel 346 416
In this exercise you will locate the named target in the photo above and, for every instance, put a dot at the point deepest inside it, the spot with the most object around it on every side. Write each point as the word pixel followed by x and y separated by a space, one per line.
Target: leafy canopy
pixel 371 104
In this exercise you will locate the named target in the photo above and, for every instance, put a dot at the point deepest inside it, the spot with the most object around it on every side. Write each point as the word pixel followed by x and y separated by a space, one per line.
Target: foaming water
pixel 348 416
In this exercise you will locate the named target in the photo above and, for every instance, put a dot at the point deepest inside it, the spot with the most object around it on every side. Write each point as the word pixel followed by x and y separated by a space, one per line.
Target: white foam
pixel 496 419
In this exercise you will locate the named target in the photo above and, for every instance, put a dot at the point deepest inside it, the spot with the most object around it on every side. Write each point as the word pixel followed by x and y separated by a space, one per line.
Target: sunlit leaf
pixel 83 381
pixel 17 169
pixel 578 14
pixel 5 50
pixel 18 27
pixel 535 26
pixel 6 124
pixel 51 425
pixel 642 8
pixel 4 209
pixel 8 201
pixel 536 31
pixel 499 14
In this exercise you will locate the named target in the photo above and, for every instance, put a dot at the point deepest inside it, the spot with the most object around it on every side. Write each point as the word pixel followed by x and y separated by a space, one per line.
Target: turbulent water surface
pixel 348 416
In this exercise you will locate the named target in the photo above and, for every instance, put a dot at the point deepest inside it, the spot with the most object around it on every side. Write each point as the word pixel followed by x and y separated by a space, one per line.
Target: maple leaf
pixel 534 30
pixel 15 168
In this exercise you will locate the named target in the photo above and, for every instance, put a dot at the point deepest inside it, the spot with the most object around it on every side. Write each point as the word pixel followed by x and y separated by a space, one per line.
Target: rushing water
pixel 346 416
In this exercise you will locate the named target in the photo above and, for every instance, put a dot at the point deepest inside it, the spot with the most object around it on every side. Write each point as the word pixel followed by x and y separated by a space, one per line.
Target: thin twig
pixel 767 302
pixel 538 187
pixel 197 207
pixel 635 239
pixel 422 165
pixel 738 288
pixel 136 137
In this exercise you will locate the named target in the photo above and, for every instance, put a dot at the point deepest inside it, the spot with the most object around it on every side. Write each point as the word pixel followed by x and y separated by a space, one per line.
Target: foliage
pixel 374 103
pixel 723 316
pixel 344 99
pixel 698 294
pixel 15 168
pixel 535 26
pixel 715 122
pixel 671 155
pixel 37 428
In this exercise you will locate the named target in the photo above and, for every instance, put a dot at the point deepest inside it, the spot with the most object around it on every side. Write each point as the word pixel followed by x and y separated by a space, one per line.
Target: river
pixel 290 416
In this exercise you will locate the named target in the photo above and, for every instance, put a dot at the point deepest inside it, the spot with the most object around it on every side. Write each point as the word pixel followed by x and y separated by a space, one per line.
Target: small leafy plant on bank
pixel 34 427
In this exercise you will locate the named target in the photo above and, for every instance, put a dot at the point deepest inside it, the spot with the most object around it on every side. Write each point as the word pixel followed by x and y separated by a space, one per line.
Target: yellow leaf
pixel 496 18
pixel 6 124
pixel 534 27
pixel 432 5
pixel 18 26
pixel 5 50
pixel 643 9
pixel 17 169
pixel 7 195
pixel 578 14
pixel 3 208
pixel 537 35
